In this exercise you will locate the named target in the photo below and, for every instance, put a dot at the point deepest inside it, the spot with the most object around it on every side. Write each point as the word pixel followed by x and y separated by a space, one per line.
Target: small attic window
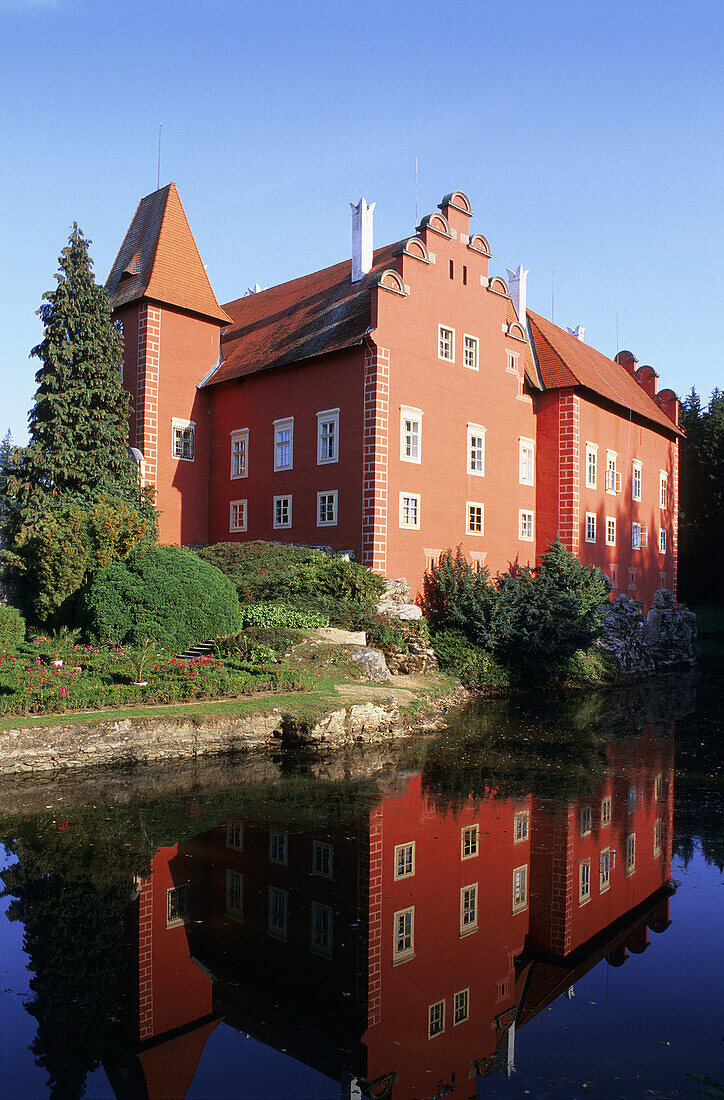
pixel 132 268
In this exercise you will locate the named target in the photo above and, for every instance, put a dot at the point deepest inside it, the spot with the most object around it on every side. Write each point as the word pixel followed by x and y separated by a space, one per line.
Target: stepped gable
pixel 159 260
pixel 307 317
pixel 566 361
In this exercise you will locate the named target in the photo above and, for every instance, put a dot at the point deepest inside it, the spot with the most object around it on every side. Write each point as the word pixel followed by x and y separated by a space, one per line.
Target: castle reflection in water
pixel 399 950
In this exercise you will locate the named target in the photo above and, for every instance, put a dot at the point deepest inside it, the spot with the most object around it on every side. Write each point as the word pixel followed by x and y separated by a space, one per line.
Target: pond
pixel 526 904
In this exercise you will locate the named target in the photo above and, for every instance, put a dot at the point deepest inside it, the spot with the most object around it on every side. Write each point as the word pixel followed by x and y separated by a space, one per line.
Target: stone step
pixel 204 649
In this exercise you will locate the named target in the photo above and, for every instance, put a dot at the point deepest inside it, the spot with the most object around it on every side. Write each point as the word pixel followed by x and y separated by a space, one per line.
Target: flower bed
pixel 43 677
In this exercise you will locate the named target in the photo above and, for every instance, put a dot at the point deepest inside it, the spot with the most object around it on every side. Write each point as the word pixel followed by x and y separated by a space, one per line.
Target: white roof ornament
pixel 517 283
pixel 252 290
pixel 578 332
pixel 361 239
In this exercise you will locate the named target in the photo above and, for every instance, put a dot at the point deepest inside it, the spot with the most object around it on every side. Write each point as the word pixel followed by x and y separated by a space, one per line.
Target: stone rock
pixel 665 639
pixel 397 601
pixel 373 664
pixel 340 637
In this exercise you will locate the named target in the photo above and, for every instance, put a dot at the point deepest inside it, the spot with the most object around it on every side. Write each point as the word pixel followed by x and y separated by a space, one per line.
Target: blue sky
pixel 587 135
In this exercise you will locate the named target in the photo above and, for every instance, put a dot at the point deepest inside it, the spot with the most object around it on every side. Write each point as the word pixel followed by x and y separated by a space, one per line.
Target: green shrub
pixel 170 595
pixel 459 596
pixel 592 666
pixel 278 614
pixel 12 627
pixel 476 668
pixel 307 578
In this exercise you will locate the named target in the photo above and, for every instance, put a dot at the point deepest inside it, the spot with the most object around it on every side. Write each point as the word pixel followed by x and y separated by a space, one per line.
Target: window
pixel 403 946
pixel 586 820
pixel 470 356
pixel 511 361
pixel 327 436
pixel 237 515
pixel 657 837
pixel 404 860
pixel 520 826
pixel 636 481
pixel 282 512
pixel 658 786
pixel 590 526
pixel 525 526
pixel 235 835
pixel 591 465
pixel 410 510
pixel 177 905
pixel 321 929
pixel 630 853
pixel 240 453
pixel 436 1019
pixel 278 844
pixel 610 531
pixel 183 439
pixel 663 489
pixel 327 509
pixel 277 913
pixel 631 800
pixel 461 1006
pixel 613 477
pixel 605 870
pixel 520 888
pixel 445 343
pixel 475 511
pixel 584 881
pixel 468 908
pixel 662 541
pixel 234 895
pixel 476 449
pixel 639 536
pixel 284 444
pixel 631 578
pixel 526 461
pixel 322 859
pixel 410 434
pixel 606 811
pixel 468 841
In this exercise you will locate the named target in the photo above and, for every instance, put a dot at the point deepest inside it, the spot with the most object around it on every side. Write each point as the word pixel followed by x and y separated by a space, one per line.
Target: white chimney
pixel 361 239
pixel 578 332
pixel 517 284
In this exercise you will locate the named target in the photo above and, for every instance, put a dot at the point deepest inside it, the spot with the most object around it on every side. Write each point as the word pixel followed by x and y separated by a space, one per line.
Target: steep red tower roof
pixel 159 260
pixel 566 361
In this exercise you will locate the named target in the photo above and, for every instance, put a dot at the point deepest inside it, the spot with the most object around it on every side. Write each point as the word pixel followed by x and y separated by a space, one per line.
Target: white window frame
pixel 586 820
pixel 435 1019
pixel 526 445
pixel 591 465
pixel 590 530
pixel 604 870
pixel 328 416
pixel 283 836
pixel 469 837
pixel 235 835
pixel 279 931
pixel 322 946
pixel 658 834
pixel 631 853
pixel 236 912
pixel 178 425
pixel 610 530
pixel 468 909
pixel 406 853
pixel 407 951
pixel 606 811
pixel 447 329
pixel 639 536
pixel 322 848
pixel 282 526
pixel 238 504
pixel 333 493
pixel 461 1006
pixel 636 481
pixel 178 899
pixel 239 435
pixel 476 431
pixel 662 540
pixel 658 786
pixel 287 423
pixel 468 526
pixel 410 496
pixel 520 888
pixel 474 348
pixel 613 475
pixel 521 824
pixel 584 881
pixel 415 418
pixel 663 490
pixel 523 525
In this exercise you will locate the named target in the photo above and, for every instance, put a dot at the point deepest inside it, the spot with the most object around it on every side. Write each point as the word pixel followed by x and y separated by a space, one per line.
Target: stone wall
pixel 663 640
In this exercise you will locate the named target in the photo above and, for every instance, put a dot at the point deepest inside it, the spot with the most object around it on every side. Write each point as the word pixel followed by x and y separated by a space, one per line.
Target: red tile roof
pixel 566 361
pixel 170 1066
pixel 159 260
pixel 314 315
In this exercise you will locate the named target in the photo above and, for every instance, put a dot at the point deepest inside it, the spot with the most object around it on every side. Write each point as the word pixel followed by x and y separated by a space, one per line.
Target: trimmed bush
pixel 170 595
pixel 12 627
pixel 278 614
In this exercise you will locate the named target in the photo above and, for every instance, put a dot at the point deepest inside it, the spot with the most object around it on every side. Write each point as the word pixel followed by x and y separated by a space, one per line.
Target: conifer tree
pixel 78 425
